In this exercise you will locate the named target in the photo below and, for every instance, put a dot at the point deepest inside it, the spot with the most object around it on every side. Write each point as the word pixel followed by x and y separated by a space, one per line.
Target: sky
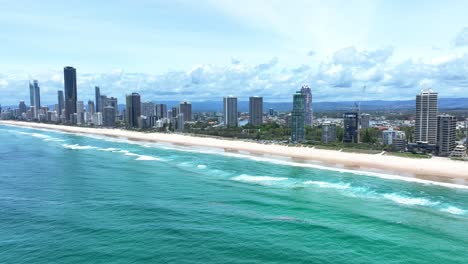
pixel 207 49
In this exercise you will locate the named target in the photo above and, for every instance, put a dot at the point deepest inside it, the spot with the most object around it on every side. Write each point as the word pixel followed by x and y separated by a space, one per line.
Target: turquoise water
pixel 75 199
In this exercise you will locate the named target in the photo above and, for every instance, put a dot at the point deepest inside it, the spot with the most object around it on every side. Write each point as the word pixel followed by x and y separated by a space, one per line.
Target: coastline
pixel 436 169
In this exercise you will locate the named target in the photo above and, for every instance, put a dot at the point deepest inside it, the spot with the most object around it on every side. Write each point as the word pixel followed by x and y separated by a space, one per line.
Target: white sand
pixel 436 169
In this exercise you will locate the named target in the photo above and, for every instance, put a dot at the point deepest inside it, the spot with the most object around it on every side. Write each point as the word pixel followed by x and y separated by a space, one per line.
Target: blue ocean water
pixel 68 198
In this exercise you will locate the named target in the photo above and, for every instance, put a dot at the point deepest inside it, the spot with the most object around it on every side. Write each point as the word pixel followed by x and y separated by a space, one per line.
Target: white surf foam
pixel 263 180
pixel 143 157
pixel 77 147
pixel 201 166
pixel 339 186
pixel 453 210
pixel 405 200
pixel 109 149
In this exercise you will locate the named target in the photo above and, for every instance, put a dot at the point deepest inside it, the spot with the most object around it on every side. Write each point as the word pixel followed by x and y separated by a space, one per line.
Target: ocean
pixel 68 198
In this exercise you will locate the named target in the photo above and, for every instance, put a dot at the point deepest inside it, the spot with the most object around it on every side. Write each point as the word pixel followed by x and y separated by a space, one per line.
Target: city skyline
pixel 193 60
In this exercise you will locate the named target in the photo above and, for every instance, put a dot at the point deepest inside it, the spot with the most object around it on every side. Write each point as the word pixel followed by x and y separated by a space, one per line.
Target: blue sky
pixel 200 50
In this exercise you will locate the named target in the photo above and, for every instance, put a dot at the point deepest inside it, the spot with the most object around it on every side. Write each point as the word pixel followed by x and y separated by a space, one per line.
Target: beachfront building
pixel 307 95
pixel 365 121
pixel 426 117
pixel 70 87
pixel 255 110
pixel 328 132
pixel 79 112
pixel 61 103
pixel 133 110
pixel 446 134
pixel 108 116
pixel 351 127
pixel 97 94
pixel 35 98
pixel 148 109
pixel 394 138
pixel 161 111
pixel 458 152
pixel 185 108
pixel 91 107
pixel 298 118
pixel 230 111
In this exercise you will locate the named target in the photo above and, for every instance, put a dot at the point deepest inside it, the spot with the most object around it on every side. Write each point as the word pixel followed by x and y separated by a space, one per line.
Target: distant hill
pixel 374 105
pixel 444 103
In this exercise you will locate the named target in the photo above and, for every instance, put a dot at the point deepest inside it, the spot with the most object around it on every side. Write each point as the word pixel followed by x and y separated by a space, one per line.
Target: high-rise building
pixel 35 98
pixel 161 111
pixel 298 118
pixel 255 111
pixel 61 101
pixel 91 107
pixel 133 110
pixel 394 138
pixel 351 127
pixel 230 111
pixel 180 122
pixel 328 132
pixel 186 109
pixel 148 109
pixel 365 121
pixel 446 134
pixel 22 107
pixel 108 116
pixel 97 93
pixel 426 117
pixel 112 101
pixel 69 75
pixel 307 94
pixel 31 94
pixel 80 112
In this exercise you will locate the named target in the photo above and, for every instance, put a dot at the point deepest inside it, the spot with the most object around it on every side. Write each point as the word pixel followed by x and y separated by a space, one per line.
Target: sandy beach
pixel 435 169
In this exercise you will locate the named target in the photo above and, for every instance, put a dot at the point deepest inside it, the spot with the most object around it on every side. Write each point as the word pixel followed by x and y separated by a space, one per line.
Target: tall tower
pixel 230 111
pixel 97 92
pixel 185 108
pixel 255 111
pixel 426 117
pixel 307 93
pixel 60 102
pixel 133 110
pixel 298 118
pixel 351 127
pixel 31 94
pixel 446 134
pixel 69 76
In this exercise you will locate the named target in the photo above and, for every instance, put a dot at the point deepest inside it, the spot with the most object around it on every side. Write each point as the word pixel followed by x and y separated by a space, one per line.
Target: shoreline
pixel 436 169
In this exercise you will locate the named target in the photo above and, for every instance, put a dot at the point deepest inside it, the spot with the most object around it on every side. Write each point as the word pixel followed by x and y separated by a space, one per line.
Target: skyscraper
pixel 60 103
pixel 31 94
pixel 298 118
pixel 148 109
pixel 69 76
pixel 108 116
pixel 328 132
pixel 186 109
pixel 133 110
pixel 365 121
pixel 255 111
pixel 161 111
pixel 22 107
pixel 80 112
pixel 351 127
pixel 91 107
pixel 426 117
pixel 446 134
pixel 230 111
pixel 307 94
pixel 97 93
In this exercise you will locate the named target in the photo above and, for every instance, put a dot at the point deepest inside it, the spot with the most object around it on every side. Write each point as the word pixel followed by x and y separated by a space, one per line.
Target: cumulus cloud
pixel 338 77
